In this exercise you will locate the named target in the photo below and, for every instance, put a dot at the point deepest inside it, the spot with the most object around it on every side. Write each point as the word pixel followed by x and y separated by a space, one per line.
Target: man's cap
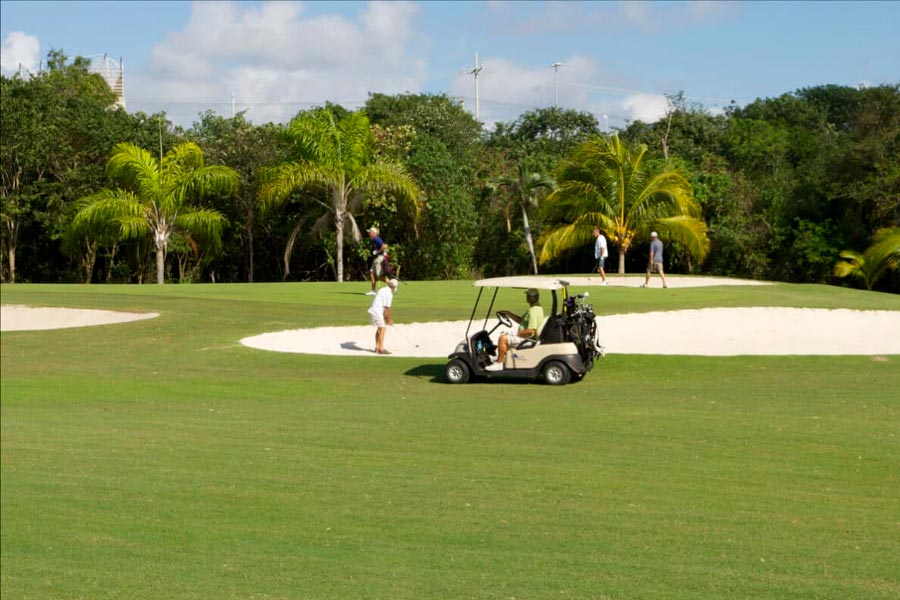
pixel 372 229
pixel 653 234
pixel 394 283
pixel 532 293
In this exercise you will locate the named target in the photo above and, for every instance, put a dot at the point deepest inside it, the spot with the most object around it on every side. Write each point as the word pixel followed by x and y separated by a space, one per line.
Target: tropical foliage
pixel 783 184
pixel 155 198
pixel 616 189
pixel 334 158
pixel 882 257
pixel 521 190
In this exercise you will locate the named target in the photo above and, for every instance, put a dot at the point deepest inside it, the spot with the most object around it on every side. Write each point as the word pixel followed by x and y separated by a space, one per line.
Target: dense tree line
pixel 801 188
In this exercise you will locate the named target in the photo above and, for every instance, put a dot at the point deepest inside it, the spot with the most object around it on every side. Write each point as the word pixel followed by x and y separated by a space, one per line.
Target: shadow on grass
pixel 434 373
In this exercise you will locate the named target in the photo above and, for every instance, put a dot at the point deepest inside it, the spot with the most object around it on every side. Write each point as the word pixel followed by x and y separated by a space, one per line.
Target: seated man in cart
pixel 529 328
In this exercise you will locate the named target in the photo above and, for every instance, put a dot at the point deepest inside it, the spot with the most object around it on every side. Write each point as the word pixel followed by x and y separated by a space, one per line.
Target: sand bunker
pixel 674 281
pixel 33 318
pixel 703 332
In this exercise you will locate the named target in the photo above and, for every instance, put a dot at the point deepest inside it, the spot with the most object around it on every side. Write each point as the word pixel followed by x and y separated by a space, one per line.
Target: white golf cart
pixel 565 347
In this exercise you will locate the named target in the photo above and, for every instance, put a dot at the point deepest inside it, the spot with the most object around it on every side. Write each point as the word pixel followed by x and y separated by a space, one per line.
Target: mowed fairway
pixel 161 459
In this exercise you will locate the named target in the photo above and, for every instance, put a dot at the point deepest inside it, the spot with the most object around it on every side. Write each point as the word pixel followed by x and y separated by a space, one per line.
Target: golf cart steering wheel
pixel 504 320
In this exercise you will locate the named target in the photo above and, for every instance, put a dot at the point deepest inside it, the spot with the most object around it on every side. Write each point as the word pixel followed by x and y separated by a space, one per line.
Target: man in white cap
pixel 656 259
pixel 380 311
pixel 378 250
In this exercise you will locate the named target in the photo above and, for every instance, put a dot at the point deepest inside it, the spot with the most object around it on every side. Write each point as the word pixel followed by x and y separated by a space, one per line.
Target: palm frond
pixel 184 157
pixel 136 169
pixel 205 224
pixel 118 209
pixel 881 257
pixel 568 237
pixel 689 232
pixel 278 183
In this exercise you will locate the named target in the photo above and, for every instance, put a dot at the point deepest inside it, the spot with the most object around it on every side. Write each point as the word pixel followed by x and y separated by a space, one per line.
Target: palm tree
pixel 335 156
pixel 155 195
pixel 878 259
pixel 523 189
pixel 608 186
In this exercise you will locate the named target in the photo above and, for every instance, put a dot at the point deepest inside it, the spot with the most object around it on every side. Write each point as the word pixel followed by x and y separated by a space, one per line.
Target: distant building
pixel 113 72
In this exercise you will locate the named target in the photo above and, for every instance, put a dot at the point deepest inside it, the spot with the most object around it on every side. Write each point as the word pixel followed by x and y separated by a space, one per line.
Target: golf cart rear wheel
pixel 457 371
pixel 556 373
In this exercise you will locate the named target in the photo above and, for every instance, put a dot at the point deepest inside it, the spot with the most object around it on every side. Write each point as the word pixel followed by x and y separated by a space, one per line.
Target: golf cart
pixel 565 347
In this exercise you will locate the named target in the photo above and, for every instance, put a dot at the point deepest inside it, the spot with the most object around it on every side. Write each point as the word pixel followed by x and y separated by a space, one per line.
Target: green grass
pixel 161 459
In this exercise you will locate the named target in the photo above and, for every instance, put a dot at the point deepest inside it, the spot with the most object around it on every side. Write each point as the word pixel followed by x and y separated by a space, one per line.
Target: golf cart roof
pixel 524 282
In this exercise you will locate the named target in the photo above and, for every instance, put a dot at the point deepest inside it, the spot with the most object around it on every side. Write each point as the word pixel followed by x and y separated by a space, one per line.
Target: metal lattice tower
pixel 113 72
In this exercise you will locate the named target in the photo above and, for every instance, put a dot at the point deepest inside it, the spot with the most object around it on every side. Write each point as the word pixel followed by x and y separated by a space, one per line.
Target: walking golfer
pixel 380 311
pixel 655 262
pixel 601 252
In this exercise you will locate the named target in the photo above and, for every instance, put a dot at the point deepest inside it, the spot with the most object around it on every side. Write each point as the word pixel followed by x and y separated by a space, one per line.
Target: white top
pixel 382 300
pixel 525 281
pixel 600 250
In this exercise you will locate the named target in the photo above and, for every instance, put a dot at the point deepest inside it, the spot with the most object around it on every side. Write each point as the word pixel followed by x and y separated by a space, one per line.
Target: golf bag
pixel 581 328
pixel 388 268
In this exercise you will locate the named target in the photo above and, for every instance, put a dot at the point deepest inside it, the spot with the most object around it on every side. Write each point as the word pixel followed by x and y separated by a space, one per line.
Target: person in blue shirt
pixel 378 250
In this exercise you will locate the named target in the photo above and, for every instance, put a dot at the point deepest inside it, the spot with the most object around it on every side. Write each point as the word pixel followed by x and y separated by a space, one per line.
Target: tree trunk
pixel 11 252
pixel 160 265
pixel 161 237
pixel 250 248
pixel 528 240
pixel 289 249
pixel 621 262
pixel 89 260
pixel 110 261
pixel 339 244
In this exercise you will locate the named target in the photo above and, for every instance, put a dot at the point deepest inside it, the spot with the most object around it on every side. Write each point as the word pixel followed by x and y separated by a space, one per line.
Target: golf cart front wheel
pixel 556 373
pixel 457 371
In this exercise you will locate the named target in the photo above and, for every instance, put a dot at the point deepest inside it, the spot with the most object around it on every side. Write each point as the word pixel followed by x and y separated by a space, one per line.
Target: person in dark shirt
pixel 378 250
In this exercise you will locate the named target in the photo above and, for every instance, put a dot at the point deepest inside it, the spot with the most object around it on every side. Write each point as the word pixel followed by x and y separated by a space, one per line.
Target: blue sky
pixel 618 59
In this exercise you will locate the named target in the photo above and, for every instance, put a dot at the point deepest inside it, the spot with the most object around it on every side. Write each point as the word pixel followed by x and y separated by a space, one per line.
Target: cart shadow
pixel 434 373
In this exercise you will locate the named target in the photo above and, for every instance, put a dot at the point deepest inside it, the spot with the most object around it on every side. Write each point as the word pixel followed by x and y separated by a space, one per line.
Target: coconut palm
pixel 607 185
pixel 524 190
pixel 155 197
pixel 878 259
pixel 335 156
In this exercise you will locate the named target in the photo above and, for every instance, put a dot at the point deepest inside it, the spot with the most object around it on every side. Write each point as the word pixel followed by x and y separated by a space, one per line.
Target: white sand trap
pixel 33 318
pixel 704 332
pixel 673 281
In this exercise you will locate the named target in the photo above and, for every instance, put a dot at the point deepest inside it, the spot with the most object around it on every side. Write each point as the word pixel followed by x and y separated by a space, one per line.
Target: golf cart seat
pixel 553 330
pixel 539 338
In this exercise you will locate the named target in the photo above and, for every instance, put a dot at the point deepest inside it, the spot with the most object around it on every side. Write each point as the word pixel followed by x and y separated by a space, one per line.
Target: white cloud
pixel 637 12
pixel 277 61
pixel 17 49
pixel 648 108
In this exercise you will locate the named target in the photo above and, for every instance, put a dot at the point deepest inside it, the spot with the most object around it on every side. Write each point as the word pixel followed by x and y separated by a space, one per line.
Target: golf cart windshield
pixel 524 282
